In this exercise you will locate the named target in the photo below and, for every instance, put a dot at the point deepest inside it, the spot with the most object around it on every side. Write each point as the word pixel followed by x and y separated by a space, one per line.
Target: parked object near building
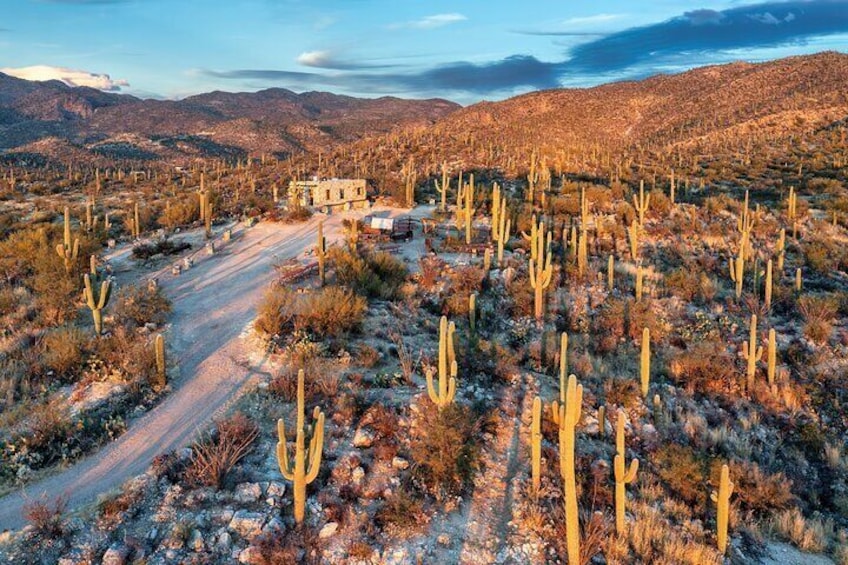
pixel 394 228
pixel 329 193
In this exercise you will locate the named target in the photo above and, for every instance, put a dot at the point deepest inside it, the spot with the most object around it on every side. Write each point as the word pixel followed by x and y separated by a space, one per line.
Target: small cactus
pixel 536 445
pixel 771 356
pixel 752 353
pixel 641 203
pixel 622 478
pixel 68 251
pixel 610 273
pixel 645 362
pixel 96 301
pixel 737 273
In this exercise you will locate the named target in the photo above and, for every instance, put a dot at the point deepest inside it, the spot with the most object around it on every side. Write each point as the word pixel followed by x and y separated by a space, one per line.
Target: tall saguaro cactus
pixel 68 251
pixel 641 203
pixel 645 362
pixel 307 459
pixel 622 478
pixel 563 376
pixel 769 285
pixel 722 500
pixel 737 273
pixel 771 355
pixel 752 352
pixel 541 271
pixel 536 445
pixel 97 300
pixel 569 417
pixel 446 391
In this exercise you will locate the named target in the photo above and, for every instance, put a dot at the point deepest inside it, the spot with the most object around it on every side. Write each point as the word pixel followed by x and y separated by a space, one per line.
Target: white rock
pixel 357 475
pixel 276 489
pixel 225 541
pixel 363 438
pixel 248 492
pixel 247 524
pixel 116 555
pixel 328 530
pixel 400 463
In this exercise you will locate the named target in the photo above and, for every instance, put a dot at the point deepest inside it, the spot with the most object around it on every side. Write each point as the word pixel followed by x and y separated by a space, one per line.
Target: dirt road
pixel 213 303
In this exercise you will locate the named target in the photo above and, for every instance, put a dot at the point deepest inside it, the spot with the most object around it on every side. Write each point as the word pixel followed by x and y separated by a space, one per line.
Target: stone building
pixel 329 193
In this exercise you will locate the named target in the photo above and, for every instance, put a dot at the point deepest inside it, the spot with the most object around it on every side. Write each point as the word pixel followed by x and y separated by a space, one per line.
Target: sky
pixel 464 51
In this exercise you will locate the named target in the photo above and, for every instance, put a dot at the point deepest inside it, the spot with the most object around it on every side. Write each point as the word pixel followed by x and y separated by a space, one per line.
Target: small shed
pixel 329 193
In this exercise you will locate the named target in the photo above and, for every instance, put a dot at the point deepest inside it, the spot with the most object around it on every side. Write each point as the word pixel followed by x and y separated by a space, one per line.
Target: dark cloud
pixel 700 31
pixel 693 38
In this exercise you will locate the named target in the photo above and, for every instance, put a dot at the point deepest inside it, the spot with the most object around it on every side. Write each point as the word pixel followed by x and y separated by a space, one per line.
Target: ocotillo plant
pixel 321 252
pixel 645 362
pixel 307 460
pixel 446 391
pixel 622 478
pixel 737 273
pixel 722 500
pixel 161 368
pixel 771 355
pixel 563 375
pixel 641 203
pixel 752 353
pixel 68 251
pixel 536 445
pixel 96 301
pixel 569 417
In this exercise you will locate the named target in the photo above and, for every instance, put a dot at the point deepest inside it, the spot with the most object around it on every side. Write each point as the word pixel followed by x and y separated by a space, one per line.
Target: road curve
pixel 213 302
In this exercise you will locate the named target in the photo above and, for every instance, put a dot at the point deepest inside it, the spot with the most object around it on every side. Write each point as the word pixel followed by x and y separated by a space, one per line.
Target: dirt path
pixel 213 304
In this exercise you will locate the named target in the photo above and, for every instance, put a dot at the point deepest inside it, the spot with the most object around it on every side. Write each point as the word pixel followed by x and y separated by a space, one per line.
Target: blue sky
pixel 464 51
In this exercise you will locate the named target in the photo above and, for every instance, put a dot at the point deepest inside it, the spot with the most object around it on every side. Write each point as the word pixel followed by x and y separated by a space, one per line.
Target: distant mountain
pixel 214 124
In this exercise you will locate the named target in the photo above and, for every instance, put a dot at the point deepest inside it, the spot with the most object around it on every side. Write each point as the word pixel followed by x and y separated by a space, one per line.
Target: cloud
pixel 327 60
pixel 590 20
pixel 70 77
pixel 694 38
pixel 769 24
pixel 430 22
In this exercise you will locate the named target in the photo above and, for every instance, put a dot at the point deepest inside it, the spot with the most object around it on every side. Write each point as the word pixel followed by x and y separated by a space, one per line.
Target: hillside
pixel 210 125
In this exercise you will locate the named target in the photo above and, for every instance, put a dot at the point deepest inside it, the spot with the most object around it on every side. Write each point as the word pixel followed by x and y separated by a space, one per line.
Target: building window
pixel 328 195
pixel 341 194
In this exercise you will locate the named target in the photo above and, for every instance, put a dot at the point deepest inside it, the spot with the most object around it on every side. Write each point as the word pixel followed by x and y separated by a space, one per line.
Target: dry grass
pixel 215 455
pixel 809 534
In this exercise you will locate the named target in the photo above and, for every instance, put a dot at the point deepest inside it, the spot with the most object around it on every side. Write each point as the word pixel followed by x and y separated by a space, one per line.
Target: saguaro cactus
pixel 622 478
pixel 645 362
pixel 96 301
pixel 569 417
pixel 563 376
pixel 768 290
pixel 321 252
pixel 633 236
pixel 639 277
pixel 68 251
pixel 722 500
pixel 307 460
pixel 781 251
pixel 541 272
pixel 771 355
pixel 446 391
pixel 798 281
pixel 737 273
pixel 536 445
pixel 641 203
pixel 472 311
pixel 752 352
pixel 161 369
pixel 610 273
pixel 442 189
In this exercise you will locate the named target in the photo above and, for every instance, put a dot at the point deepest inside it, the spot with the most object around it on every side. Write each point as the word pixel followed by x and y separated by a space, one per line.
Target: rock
pixel 274 525
pixel 400 463
pixel 444 540
pixel 248 492
pixel 363 438
pixel 328 530
pixel 195 541
pixel 117 554
pixel 357 476
pixel 224 542
pixel 247 524
pixel 250 554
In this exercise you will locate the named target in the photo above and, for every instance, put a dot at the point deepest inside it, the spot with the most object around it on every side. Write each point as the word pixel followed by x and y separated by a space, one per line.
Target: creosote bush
pixel 137 305
pixel 331 311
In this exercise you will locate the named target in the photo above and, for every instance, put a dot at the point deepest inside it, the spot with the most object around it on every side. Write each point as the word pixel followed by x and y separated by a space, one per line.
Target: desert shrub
pixel 55 290
pixel 608 325
pixel 684 283
pixel 807 534
pixel 137 305
pixel 401 509
pixel 216 454
pixel 521 297
pixel 165 246
pixel 429 270
pixel 818 313
pixel 444 449
pixel 292 545
pixel 373 275
pixel 683 472
pixel 180 212
pixel 331 311
pixel 294 215
pixel 47 518
pixel 63 350
pixel 707 368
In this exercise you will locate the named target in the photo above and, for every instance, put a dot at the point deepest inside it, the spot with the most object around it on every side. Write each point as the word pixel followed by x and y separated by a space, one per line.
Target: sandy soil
pixel 213 306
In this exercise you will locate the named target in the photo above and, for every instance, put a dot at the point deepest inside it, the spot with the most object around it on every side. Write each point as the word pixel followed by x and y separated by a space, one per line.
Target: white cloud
pixel 589 20
pixel 71 77
pixel 314 58
pixel 430 22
